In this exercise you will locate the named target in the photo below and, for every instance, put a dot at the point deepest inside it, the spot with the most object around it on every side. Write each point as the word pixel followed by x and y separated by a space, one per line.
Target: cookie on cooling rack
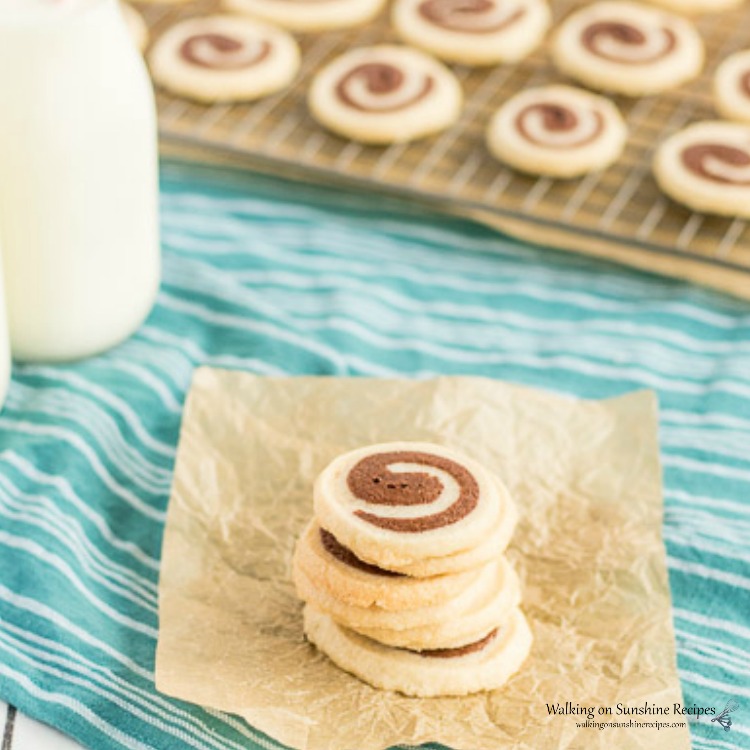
pixel 385 94
pixel 698 6
pixel 484 664
pixel 558 131
pixel 732 87
pixel 303 15
pixel 473 32
pixel 628 48
pixel 136 25
pixel 706 167
pixel 224 58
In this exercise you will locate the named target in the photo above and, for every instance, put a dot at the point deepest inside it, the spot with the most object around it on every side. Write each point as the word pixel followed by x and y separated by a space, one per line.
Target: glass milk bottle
pixel 78 178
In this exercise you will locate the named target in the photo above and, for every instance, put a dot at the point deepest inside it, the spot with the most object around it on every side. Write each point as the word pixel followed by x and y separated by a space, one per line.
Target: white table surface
pixel 19 732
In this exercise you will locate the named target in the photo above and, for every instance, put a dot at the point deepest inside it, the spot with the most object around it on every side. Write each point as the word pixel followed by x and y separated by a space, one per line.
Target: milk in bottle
pixel 78 178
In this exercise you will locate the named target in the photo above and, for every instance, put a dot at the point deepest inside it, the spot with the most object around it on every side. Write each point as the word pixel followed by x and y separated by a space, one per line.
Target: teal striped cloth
pixel 280 279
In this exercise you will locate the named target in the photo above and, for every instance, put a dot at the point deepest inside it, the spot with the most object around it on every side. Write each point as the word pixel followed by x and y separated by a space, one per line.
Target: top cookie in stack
pixel 403 575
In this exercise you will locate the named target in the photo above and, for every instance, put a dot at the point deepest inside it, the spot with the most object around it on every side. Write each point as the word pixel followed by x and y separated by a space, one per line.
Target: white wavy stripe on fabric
pixel 198 356
pixel 723 688
pixel 80 709
pixel 704 571
pixel 38 511
pixel 705 419
pixel 89 418
pixel 505 330
pixel 711 647
pixel 63 567
pixel 690 539
pixel 704 502
pixel 696 465
pixel 396 341
pixel 61 623
pixel 239 322
pixel 306 289
pixel 141 704
pixel 713 623
pixel 147 378
pixel 104 396
pixel 67 493
pixel 526 283
pixel 168 365
pixel 723 443
pixel 484 251
pixel 728 666
pixel 74 440
pixel 410 345
pixel 38 609
pixel 707 526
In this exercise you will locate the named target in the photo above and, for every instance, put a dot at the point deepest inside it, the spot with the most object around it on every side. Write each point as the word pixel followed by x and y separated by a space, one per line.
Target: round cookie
pixel 385 94
pixel 224 58
pixel 337 573
pixel 473 32
pixel 732 87
pixel 487 608
pixel 485 665
pixel 628 48
pixel 558 131
pixel 706 167
pixel 308 15
pixel 395 504
pixel 698 6
pixel 136 26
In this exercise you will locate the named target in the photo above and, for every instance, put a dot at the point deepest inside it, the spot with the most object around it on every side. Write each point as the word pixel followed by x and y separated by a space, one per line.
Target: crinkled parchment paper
pixel 588 549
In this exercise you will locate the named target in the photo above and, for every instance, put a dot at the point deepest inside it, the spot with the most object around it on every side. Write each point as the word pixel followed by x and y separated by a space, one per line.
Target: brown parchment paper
pixel 588 549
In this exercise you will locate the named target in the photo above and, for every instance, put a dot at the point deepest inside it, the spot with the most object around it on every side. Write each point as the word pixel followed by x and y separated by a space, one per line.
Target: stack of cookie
pixel 403 575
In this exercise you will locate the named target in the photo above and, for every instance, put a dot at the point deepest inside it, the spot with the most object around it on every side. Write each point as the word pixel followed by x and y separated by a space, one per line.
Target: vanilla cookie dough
pixel 732 87
pixel 628 48
pixel 485 664
pixel 473 32
pixel 224 58
pixel 337 572
pixel 698 6
pixel 395 504
pixel 558 131
pixel 308 15
pixel 706 167
pixel 136 26
pixel 385 94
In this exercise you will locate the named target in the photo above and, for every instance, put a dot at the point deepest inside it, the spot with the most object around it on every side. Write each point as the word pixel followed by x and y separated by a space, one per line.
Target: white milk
pixel 78 178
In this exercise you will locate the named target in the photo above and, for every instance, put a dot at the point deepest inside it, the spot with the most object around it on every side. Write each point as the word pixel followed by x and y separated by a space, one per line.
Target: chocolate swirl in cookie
pixel 374 481
pixel 469 648
pixel 382 87
pixel 745 84
pixel 472 16
pixel 334 548
pixel 628 44
pixel 728 165
pixel 557 125
pixel 222 52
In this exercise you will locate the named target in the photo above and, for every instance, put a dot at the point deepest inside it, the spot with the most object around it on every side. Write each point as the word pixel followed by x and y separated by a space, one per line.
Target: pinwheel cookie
pixel 473 32
pixel 385 94
pixel 557 131
pixel 224 58
pixel 484 664
pixel 698 6
pixel 308 15
pixel 396 504
pixel 628 48
pixel 732 87
pixel 706 166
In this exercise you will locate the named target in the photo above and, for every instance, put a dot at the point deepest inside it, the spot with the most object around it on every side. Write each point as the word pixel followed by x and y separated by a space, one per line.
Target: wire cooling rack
pixel 620 208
